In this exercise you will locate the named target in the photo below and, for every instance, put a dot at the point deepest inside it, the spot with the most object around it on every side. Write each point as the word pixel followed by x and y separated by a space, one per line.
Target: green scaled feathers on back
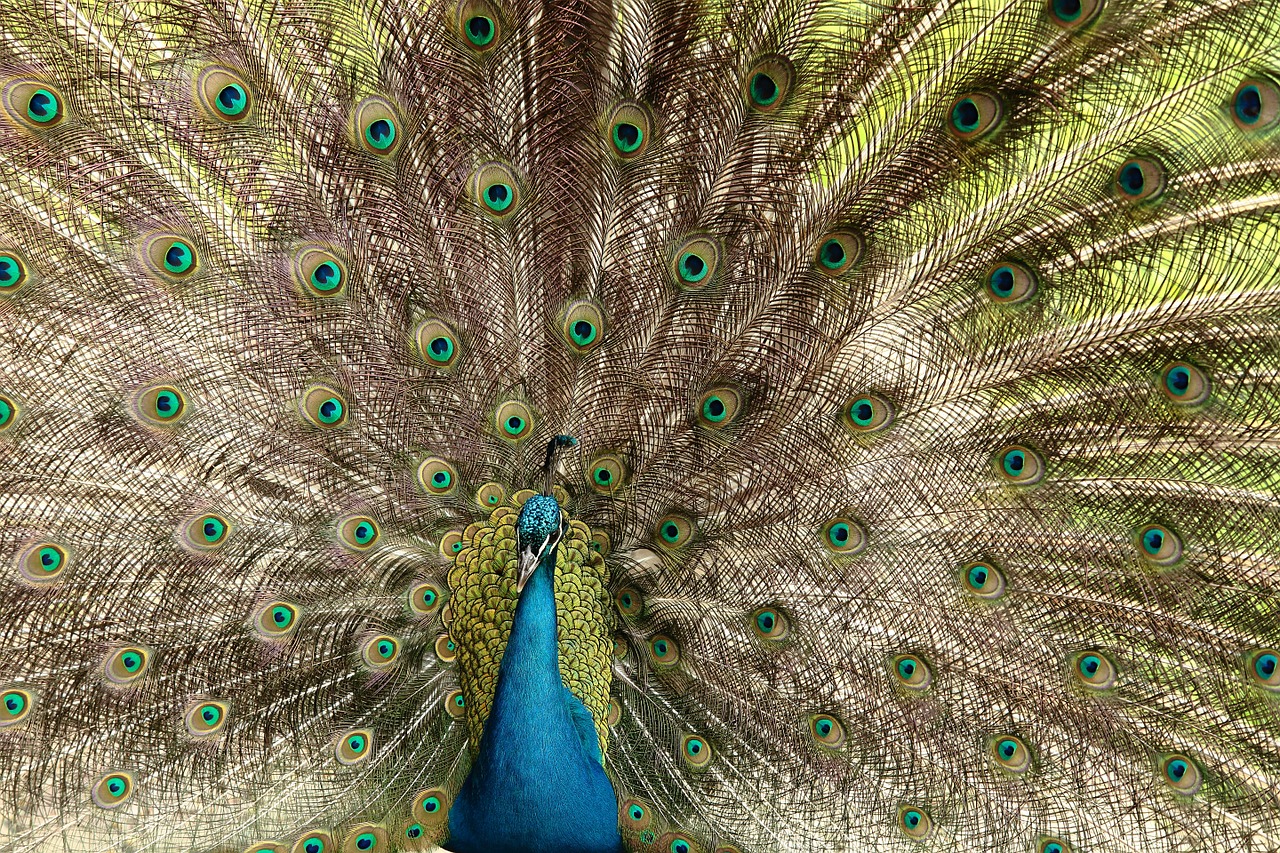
pixel 924 360
pixel 483 605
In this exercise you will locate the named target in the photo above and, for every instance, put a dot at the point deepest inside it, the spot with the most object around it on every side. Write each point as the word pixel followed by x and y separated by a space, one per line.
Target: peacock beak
pixel 526 566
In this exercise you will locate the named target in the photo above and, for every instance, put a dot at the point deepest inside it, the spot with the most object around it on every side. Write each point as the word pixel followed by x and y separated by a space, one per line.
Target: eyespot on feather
pixel 205 532
pixel 630 129
pixel 431 806
pixel 663 651
pixel 1093 670
pixel 770 624
pixel 1159 545
pixel 437 343
pixel 915 822
pixel 982 579
pixel 868 413
pixel 1140 179
pixel 276 620
pixel 479 25
pixel 15 705
pixel 1181 774
pixel 769 82
pixel 224 94
pixel 33 105
pixel 843 535
pixel 1184 384
pixel 205 718
pixel 160 405
pixel 314 841
pixel 677 842
pixel 358 532
pixel 673 531
pixel 366 838
pixel 496 189
pixel 113 789
pixel 125 666
pixel 606 473
pixel 15 272
pixel 380 652
pixel 1262 667
pixel 377 128
pixel 827 731
pixel 1255 104
pixel 354 746
pixel 696 752
pixel 911 672
pixel 1074 14
pixel 973 116
pixel 1019 465
pixel 425 598
pixel 513 421
pixel 324 407
pixel 1009 283
pixel 583 326
pixel 719 407
pixel 43 562
pixel 837 253
pixel 170 257
pixel 695 262
pixel 319 271
pixel 1010 753
pixel 455 704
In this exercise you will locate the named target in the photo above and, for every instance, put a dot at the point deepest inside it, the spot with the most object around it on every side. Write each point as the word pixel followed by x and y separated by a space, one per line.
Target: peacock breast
pixel 483 604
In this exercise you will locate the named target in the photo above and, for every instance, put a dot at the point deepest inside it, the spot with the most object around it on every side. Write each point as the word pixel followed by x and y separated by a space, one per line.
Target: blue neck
pixel 535 784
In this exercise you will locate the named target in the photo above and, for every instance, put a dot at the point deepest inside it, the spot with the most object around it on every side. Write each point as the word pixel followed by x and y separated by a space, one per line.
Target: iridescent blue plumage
pixel 537 783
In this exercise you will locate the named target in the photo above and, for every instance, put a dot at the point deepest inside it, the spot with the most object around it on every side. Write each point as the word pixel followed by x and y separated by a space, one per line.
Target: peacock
pixel 663 426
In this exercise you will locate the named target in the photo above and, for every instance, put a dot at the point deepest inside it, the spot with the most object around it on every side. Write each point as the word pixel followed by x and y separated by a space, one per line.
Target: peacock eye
pixel 1094 670
pixel 974 115
pixel 321 272
pixel 868 413
pixel 380 652
pixel 695 262
pixel 455 704
pixel 276 620
pixel 629 601
pixel 317 842
pixel 514 420
pixel 1010 283
pixel 1011 753
pixel 608 472
pixel 914 822
pixel 1140 179
pixel 494 186
pixel 696 751
pixel 424 598
pixel 13 273
pixel 43 562
pixel 206 718
pixel 583 326
pixel 43 106
pixel 1184 384
pixel 358 532
pixel 112 790
pixel 983 580
pixel 376 124
pixel 1072 14
pixel 1159 545
pixel 629 130
pixel 838 253
pixel 674 531
pixel 1052 845
pixel 769 83
pixel 911 672
pixel 224 94
pixel 1263 667
pixel 15 706
pixel 718 407
pixel 1255 106
pixel 204 533
pixel 827 731
pixel 324 407
pixel 663 650
pixel 844 536
pixel 1181 774
pixel 771 624
pixel 479 24
pixel 354 747
pixel 1019 465
pixel 125 666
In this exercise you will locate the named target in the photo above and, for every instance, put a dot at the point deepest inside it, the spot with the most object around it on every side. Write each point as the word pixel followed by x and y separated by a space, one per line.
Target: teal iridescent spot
pixel 380 134
pixel 232 100
pixel 42 106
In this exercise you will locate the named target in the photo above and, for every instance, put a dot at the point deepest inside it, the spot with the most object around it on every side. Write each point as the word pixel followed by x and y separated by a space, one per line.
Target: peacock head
pixel 541 522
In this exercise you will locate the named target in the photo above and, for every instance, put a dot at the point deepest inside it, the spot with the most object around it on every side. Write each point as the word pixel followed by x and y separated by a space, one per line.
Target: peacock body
pixel 900 386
